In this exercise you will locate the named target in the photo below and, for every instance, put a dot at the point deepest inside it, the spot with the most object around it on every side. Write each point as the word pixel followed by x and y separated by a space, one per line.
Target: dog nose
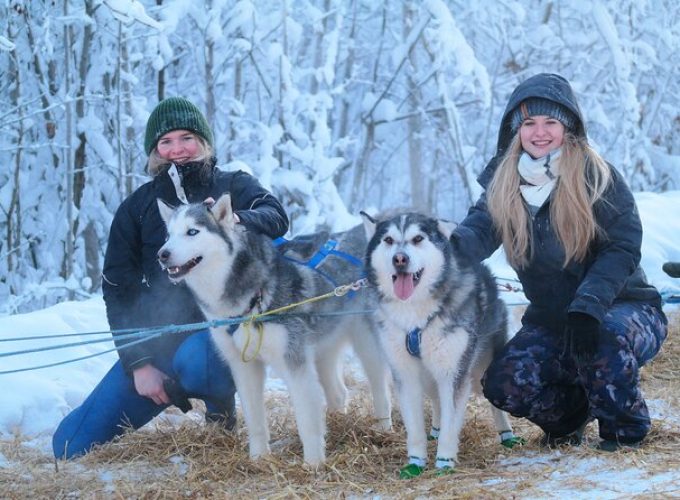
pixel 163 255
pixel 400 261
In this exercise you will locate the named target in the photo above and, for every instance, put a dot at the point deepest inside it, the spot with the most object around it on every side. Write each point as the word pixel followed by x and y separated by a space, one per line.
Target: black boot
pixel 573 438
pixel 612 445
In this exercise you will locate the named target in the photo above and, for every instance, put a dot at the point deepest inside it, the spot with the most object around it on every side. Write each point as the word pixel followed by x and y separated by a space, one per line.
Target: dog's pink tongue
pixel 403 285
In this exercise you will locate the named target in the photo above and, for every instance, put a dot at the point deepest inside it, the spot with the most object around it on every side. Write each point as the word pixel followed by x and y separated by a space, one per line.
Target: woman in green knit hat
pixel 171 368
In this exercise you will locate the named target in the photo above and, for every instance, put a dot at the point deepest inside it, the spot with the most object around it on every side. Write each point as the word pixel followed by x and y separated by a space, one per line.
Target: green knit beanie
pixel 175 113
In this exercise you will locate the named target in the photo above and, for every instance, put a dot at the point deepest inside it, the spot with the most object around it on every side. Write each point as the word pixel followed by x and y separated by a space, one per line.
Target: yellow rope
pixel 337 292
pixel 260 331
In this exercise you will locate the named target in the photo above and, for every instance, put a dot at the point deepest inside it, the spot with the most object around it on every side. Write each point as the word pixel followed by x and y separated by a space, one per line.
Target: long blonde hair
pixel 157 165
pixel 584 177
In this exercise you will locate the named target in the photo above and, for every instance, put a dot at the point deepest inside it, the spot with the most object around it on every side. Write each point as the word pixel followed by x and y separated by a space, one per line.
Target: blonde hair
pixel 157 165
pixel 584 177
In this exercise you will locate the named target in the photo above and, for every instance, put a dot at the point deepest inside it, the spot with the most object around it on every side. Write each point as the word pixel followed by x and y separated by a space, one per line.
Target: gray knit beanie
pixel 175 113
pixel 536 106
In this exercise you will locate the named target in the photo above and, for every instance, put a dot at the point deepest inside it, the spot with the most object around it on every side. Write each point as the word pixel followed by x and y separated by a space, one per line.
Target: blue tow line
pixel 145 334
pixel 670 298
pixel 138 336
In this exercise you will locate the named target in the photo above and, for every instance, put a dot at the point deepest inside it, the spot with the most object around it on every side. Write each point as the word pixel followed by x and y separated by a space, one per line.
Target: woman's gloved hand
pixel 581 336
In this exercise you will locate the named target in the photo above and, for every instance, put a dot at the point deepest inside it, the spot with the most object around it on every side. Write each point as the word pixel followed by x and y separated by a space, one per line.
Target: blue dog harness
pixel 315 260
pixel 327 249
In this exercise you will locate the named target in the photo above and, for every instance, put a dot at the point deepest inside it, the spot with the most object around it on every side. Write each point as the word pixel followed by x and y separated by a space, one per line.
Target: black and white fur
pixel 423 285
pixel 234 272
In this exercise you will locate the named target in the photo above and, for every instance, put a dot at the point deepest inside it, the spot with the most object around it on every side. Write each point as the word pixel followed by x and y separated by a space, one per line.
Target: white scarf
pixel 539 176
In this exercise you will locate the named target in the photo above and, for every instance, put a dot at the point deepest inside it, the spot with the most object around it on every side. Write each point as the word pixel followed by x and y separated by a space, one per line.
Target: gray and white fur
pixel 424 289
pixel 233 272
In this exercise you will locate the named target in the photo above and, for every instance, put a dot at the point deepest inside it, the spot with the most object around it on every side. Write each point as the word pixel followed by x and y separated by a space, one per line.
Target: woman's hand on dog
pixel 149 383
pixel 210 201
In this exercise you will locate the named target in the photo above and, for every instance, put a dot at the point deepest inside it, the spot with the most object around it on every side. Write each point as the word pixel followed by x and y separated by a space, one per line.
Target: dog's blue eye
pixel 418 239
pixel 388 240
pixel 192 232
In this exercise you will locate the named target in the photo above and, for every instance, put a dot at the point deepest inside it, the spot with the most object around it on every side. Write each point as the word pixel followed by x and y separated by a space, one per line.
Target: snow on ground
pixel 33 402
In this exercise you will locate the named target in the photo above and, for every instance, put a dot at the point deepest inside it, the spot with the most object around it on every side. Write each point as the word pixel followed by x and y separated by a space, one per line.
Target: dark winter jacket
pixel 610 272
pixel 137 292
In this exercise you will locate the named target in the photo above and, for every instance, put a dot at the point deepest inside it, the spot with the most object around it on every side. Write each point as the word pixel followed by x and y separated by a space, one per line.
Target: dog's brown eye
pixel 192 232
pixel 418 239
pixel 388 240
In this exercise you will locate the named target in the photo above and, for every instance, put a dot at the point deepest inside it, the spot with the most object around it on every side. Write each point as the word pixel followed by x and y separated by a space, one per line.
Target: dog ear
pixel 369 224
pixel 165 210
pixel 222 211
pixel 446 227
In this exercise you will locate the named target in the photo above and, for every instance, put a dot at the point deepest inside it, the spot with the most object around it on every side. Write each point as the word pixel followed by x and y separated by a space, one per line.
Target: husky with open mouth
pixel 440 324
pixel 237 273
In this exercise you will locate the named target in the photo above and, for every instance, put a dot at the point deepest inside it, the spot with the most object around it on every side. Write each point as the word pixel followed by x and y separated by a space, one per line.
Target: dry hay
pixel 196 461
pixel 664 371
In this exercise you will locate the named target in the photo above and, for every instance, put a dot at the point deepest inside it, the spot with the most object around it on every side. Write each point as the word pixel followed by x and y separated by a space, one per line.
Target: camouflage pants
pixel 534 379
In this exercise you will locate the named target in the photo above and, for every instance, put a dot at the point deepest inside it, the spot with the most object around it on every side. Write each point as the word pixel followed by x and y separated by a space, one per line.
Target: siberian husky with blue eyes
pixel 233 272
pixel 440 322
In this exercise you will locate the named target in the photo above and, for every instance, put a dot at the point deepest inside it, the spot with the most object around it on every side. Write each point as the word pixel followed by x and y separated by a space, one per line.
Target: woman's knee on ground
pixel 64 445
pixel 76 435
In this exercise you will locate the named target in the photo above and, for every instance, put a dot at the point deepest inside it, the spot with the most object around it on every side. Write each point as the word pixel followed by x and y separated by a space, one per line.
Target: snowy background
pixel 332 104
pixel 335 105
pixel 33 402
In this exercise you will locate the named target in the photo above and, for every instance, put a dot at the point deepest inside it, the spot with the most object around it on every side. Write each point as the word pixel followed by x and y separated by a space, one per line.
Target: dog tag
pixel 413 342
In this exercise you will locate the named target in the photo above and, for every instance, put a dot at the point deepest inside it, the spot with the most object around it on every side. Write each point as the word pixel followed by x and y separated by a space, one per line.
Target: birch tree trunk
pixel 89 234
pixel 13 228
pixel 124 141
pixel 342 125
pixel 68 152
pixel 160 80
pixel 363 158
pixel 414 122
pixel 210 82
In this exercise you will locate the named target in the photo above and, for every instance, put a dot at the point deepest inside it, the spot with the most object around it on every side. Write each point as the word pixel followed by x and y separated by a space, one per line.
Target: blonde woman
pixel 138 294
pixel 570 229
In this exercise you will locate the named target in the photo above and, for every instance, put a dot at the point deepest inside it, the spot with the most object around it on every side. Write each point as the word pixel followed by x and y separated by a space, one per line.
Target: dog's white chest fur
pixel 439 349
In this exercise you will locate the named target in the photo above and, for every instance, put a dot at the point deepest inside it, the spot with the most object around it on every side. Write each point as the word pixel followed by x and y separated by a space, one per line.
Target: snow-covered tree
pixel 335 105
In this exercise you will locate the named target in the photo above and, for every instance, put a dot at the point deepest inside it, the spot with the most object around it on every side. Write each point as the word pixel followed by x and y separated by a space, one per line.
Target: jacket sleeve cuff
pixel 590 305
pixel 133 365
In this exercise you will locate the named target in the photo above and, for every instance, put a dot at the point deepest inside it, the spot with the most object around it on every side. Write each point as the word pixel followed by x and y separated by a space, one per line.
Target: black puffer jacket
pixel 137 292
pixel 611 271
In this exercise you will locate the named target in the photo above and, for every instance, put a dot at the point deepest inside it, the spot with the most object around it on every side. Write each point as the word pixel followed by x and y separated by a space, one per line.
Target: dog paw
pixel 513 441
pixel 382 424
pixel 444 471
pixel 410 471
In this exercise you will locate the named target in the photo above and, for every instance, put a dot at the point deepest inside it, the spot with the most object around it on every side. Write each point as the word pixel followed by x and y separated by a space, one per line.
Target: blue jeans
pixel 533 378
pixel 115 405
